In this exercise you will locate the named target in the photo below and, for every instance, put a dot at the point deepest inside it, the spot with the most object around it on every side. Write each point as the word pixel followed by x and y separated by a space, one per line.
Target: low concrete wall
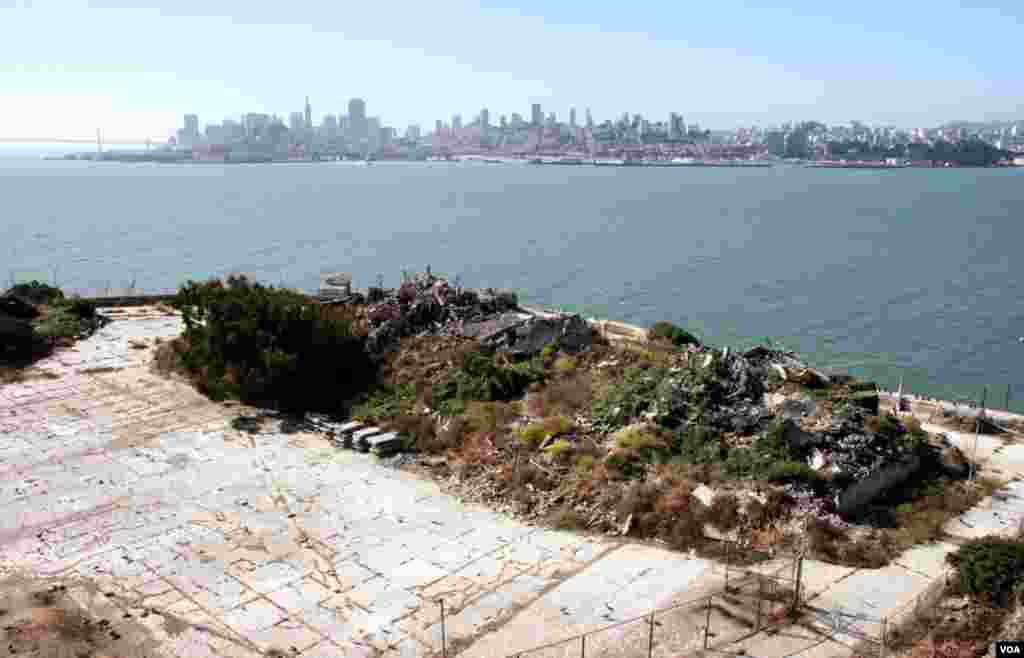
pixel 129 300
pixel 611 330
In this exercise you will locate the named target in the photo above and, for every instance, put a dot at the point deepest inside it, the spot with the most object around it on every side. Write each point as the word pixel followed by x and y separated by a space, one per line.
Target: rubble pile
pixel 425 305
pixel 597 419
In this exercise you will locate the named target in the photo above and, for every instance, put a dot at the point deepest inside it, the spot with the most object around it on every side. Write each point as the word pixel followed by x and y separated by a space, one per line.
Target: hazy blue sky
pixel 133 68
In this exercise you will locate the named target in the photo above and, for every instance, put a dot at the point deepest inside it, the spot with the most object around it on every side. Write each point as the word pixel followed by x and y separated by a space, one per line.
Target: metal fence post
pixel 650 638
pixel 444 640
pixel 760 598
pixel 799 577
pixel 728 546
pixel 707 623
pixel 583 646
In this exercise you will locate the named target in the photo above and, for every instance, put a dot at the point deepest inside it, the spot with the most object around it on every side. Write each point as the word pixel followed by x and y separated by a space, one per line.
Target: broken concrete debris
pixel 426 305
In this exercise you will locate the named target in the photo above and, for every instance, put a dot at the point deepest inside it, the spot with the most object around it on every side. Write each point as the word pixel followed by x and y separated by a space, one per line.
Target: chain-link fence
pixel 759 591
pixel 880 636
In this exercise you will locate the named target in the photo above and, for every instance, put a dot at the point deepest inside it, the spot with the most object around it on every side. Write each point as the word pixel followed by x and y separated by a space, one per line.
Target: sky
pixel 132 69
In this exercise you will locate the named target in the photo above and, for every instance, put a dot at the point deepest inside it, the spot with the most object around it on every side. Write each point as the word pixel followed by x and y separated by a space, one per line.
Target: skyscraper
pixel 536 118
pixel 456 123
pixel 192 125
pixel 485 119
pixel 572 117
pixel 309 115
pixel 590 119
pixel 439 128
pixel 357 119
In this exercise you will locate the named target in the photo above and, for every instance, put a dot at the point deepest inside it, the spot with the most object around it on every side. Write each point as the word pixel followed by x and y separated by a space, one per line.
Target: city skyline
pixel 725 65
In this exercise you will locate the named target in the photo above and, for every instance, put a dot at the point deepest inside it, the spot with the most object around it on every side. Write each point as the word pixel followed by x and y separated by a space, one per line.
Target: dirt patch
pixel 99 370
pixel 40 619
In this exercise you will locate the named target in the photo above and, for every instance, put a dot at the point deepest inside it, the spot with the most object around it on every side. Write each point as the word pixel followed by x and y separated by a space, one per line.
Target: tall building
pixel 572 117
pixel 329 127
pixel 296 123
pixel 590 119
pixel 192 125
pixel 485 119
pixel 439 128
pixel 456 123
pixel 412 132
pixel 256 124
pixel 309 115
pixel 536 118
pixel 357 119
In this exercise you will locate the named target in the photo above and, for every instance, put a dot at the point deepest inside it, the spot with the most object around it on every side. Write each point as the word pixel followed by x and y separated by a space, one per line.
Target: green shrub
pixel 533 434
pixel 266 345
pixel 35 292
pixel 82 308
pixel 790 472
pixel 990 568
pixel 560 451
pixel 479 378
pixel 385 402
pixel 699 445
pixel 58 324
pixel 676 335
pixel 626 399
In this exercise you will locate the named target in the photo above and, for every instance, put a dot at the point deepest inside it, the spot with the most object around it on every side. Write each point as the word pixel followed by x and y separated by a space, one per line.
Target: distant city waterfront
pixel 914 273
pixel 626 140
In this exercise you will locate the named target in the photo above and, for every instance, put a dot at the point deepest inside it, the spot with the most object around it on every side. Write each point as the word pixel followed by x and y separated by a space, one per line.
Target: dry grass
pixel 566 396
pixel 167 359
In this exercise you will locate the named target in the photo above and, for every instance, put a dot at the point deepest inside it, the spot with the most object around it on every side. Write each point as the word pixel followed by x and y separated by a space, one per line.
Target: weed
pixel 585 463
pixel 533 434
pixel 569 519
pixel 557 425
pixel 564 364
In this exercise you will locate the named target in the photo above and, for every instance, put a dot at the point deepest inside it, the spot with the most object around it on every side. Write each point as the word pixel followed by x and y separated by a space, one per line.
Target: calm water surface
pixel 879 272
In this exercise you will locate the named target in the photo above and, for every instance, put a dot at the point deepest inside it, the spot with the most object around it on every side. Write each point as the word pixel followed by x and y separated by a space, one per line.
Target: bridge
pixel 78 140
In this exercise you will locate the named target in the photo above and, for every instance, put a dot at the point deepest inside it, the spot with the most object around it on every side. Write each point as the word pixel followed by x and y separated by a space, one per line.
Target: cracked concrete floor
pixel 135 491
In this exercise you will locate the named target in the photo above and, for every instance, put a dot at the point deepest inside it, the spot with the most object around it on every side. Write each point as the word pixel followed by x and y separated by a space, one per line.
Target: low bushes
pixel 479 378
pixel 990 568
pixel 627 398
pixel 266 345
pixel 678 336
pixel 35 292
